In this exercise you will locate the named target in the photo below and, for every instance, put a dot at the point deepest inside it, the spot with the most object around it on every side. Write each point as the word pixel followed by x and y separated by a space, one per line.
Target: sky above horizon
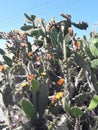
pixel 12 12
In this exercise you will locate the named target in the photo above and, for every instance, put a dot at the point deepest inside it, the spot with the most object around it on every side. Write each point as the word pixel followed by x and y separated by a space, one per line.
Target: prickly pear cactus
pixel 54 76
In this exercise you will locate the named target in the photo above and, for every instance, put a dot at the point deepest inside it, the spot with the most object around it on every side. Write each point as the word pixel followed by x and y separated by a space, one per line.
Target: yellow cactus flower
pixel 57 96
pixel 19 62
pixel 23 85
pixel 17 89
pixel 43 74
pixel 60 94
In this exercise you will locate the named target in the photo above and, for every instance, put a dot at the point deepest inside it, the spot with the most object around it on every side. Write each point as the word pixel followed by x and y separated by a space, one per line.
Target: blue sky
pixel 12 12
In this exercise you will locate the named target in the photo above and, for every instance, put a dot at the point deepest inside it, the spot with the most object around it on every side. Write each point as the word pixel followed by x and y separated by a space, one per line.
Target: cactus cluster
pixel 53 75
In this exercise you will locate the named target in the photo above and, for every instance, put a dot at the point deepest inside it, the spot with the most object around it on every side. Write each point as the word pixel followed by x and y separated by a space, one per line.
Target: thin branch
pixel 78 78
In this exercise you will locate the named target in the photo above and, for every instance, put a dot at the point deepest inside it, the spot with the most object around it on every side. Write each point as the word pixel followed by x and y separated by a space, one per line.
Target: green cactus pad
pixel 29 109
pixel 35 85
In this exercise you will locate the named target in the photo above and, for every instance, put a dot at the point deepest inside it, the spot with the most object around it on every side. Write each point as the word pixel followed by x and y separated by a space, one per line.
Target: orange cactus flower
pixel 60 81
pixel 76 45
pixel 30 77
pixel 38 58
pixel 16 31
pixel 54 99
pixel 49 56
pixel 29 54
pixel 3 67
pixel 22 45
pixel 22 36
pixel 25 33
